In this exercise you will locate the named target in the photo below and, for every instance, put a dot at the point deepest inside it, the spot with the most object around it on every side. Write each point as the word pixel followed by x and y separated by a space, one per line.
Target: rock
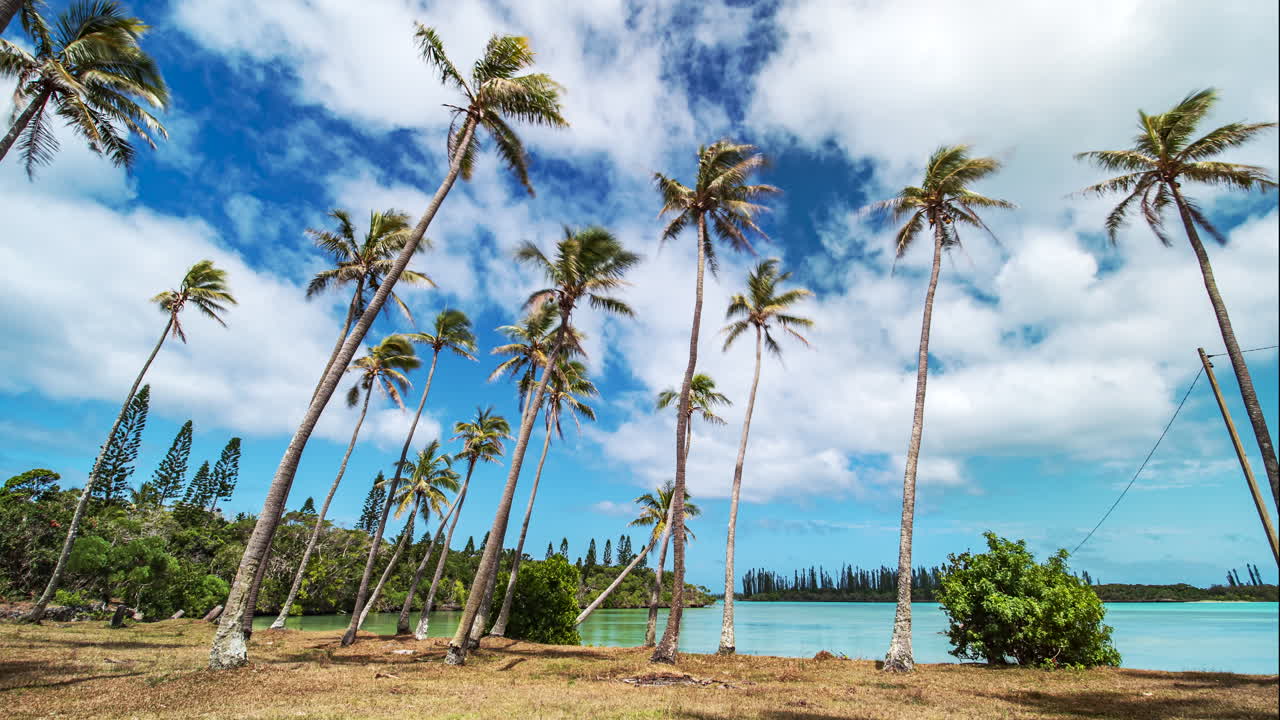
pixel 403 652
pixel 824 655
pixel 117 619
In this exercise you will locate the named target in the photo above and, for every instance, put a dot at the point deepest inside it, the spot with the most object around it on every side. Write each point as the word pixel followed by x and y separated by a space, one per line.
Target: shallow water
pixel 1229 637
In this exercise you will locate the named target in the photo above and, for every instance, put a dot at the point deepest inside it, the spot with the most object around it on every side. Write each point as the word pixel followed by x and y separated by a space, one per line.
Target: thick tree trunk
pixel 405 538
pixel 37 612
pixel 424 620
pixel 324 510
pixel 1243 378
pixel 402 623
pixel 251 600
pixel 24 118
pixel 727 642
pixel 8 9
pixel 586 613
pixel 655 593
pixel 900 658
pixel 346 329
pixel 486 603
pixel 228 648
pixel 500 625
pixel 668 649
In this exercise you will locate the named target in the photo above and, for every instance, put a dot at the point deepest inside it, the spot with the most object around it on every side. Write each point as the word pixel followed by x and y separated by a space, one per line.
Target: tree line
pixel 849 584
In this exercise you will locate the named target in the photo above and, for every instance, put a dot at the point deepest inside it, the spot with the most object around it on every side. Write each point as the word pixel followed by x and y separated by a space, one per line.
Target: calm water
pixel 1230 637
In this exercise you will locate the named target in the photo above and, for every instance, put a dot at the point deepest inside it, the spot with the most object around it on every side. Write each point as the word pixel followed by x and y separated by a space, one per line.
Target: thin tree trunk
pixel 486 602
pixel 405 538
pixel 586 613
pixel 655 593
pixel 900 658
pixel 8 8
pixel 228 648
pixel 727 642
pixel 424 620
pixel 346 328
pixel 362 593
pixel 668 649
pixel 24 118
pixel 324 510
pixel 1243 378
pixel 500 626
pixel 37 612
pixel 402 623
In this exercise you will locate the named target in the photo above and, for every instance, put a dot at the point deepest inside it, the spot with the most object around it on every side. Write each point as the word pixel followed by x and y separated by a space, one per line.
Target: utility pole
pixel 1244 461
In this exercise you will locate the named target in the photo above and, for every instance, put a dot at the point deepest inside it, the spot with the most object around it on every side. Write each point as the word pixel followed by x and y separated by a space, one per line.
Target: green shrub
pixel 1003 604
pixel 544 607
pixel 71 598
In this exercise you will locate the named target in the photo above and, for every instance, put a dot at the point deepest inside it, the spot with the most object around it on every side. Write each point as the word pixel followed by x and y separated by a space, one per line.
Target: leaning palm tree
pixel 945 202
pixel 531 341
pixel 204 287
pixel 495 94
pixel 10 8
pixel 382 369
pixel 482 440
pixel 721 204
pixel 761 308
pixel 588 265
pixel 89 69
pixel 1163 155
pixel 569 385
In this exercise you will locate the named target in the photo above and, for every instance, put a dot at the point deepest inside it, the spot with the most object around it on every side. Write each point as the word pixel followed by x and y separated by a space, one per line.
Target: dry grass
pixel 157 670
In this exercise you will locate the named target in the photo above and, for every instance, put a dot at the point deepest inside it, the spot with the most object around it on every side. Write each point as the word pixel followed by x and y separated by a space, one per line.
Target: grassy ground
pixel 157 670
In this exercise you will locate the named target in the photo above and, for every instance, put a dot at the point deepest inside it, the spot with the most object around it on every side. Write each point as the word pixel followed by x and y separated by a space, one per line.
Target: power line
pixel 1268 347
pixel 1144 462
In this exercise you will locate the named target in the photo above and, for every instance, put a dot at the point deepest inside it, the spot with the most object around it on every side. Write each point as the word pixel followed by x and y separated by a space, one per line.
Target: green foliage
pixel 30 485
pixel 590 560
pixel 544 606
pixel 373 502
pixel 308 507
pixel 607 558
pixel 200 492
pixel 226 472
pixel 1003 604
pixel 171 476
pixel 111 483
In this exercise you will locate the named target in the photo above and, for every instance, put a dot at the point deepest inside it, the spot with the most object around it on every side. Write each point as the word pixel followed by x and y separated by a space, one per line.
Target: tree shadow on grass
pixel 1107 705
pixel 110 644
pixel 11 673
pixel 1205 680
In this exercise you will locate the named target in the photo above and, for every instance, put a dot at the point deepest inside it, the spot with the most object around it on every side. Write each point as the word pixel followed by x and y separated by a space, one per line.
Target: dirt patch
pixel 664 679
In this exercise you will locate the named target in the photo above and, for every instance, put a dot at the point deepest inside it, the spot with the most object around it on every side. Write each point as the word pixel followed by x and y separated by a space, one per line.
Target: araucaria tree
pixel 723 204
pixel 204 287
pixel 495 94
pixel 117 460
pixel 1164 154
pixel 226 472
pixel 171 477
pixel 372 507
pixel 762 308
pixel 89 69
pixel 588 265
pixel 944 201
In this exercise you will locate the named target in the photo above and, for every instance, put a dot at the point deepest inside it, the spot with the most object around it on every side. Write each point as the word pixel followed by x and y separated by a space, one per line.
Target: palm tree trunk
pixel 457 653
pixel 500 626
pixel 362 593
pixel 900 657
pixel 667 649
pixel 405 537
pixel 228 648
pixel 324 509
pixel 346 328
pixel 1243 379
pixel 402 623
pixel 24 118
pixel 8 8
pixel 655 593
pixel 486 603
pixel 37 612
pixel 727 646
pixel 424 620
pixel 586 613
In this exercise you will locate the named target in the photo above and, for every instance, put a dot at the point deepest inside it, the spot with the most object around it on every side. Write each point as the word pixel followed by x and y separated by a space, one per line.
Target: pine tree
pixel 608 553
pixel 171 476
pixel 550 551
pixel 625 554
pixel 308 507
pixel 484 542
pixel 591 554
pixel 112 483
pixel 372 509
pixel 226 472
pixel 190 510
pixel 564 548
pixel 470 549
pixel 1231 582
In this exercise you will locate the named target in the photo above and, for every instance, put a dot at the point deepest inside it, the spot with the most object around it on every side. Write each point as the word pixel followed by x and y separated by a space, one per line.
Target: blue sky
pixel 1058 359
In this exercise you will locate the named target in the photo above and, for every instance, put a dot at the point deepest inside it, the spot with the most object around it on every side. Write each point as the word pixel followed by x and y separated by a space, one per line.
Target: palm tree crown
pixel 450 331
pixel 1163 153
pixel 205 288
pixel 530 345
pixel 654 509
pixel 703 397
pixel 588 263
pixel 482 437
pixel 384 368
pixel 568 385
pixel 365 263
pixel 90 67
pixel 430 477
pixel 762 306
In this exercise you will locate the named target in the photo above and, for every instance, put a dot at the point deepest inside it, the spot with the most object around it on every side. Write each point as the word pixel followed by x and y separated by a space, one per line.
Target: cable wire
pixel 1268 347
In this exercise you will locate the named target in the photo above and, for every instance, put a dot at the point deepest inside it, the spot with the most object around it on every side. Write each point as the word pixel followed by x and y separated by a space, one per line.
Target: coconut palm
pixel 530 343
pixel 724 205
pixel 565 393
pixel 495 94
pixel 588 265
pixel 1163 155
pixel 945 202
pixel 482 440
pixel 10 8
pixel 762 308
pixel 382 369
pixel 204 287
pixel 89 69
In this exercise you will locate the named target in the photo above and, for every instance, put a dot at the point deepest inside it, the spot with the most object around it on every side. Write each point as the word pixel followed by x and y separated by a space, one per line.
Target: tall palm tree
pixel 530 344
pixel 762 307
pixel 496 93
pixel 482 440
pixel 722 203
pixel 382 369
pixel 1162 156
pixel 204 287
pixel 569 385
pixel 90 69
pixel 10 8
pixel 945 201
pixel 588 266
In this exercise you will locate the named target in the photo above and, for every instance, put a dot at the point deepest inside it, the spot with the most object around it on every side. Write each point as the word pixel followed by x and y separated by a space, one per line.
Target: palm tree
pixel 204 287
pixel 565 392
pixel 588 265
pixel 723 204
pixel 1163 154
pixel 945 201
pixel 761 308
pixel 382 369
pixel 9 8
pixel 531 341
pixel 452 331
pixel 90 68
pixel 495 94
pixel 481 442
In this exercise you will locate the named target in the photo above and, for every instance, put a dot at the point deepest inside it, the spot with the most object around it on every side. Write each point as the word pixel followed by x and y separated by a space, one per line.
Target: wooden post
pixel 1244 461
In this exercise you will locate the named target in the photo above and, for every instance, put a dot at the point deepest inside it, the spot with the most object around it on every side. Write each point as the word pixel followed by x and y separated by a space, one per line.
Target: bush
pixel 1002 604
pixel 544 607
